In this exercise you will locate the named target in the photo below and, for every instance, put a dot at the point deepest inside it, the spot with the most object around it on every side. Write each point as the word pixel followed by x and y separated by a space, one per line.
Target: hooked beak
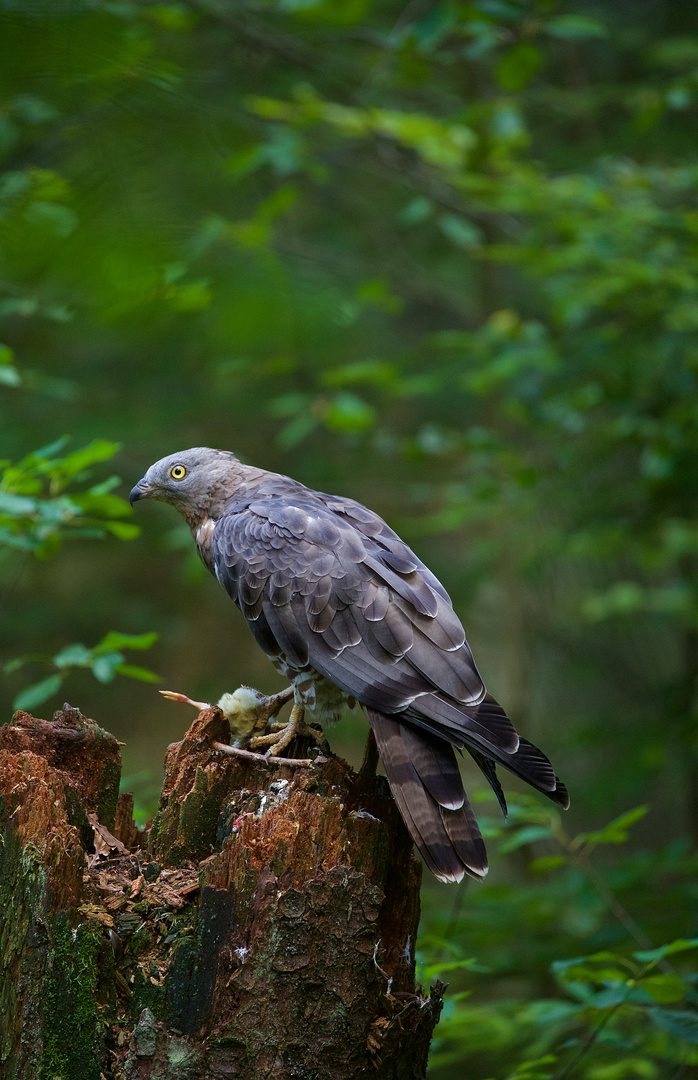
pixel 139 491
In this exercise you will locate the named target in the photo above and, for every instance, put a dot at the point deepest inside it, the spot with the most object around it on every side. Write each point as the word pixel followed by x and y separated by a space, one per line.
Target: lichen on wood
pixel 264 927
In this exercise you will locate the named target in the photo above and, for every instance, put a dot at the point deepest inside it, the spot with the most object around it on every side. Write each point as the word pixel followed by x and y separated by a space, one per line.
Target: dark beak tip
pixel 135 494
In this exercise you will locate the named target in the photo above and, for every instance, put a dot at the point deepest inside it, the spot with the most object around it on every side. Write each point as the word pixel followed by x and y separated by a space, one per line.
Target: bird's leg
pixel 271 707
pixel 248 710
pixel 280 738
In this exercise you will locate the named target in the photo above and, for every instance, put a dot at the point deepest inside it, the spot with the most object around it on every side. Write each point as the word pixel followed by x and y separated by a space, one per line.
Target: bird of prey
pixel 348 613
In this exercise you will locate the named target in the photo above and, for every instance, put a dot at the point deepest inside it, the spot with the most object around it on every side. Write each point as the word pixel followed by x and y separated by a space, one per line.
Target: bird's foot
pixel 282 734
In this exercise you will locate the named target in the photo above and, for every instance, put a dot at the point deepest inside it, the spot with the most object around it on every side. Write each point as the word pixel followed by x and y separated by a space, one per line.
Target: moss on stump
pixel 264 928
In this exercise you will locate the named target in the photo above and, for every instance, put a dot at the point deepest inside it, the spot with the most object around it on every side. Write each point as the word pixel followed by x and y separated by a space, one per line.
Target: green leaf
pixel 105 486
pixel 16 506
pixel 73 656
pixel 518 66
pixel 79 460
pixel 416 211
pixel 682 1024
pixel 547 863
pixel 348 412
pixel 104 667
pixel 460 231
pixel 16 664
pixel 116 640
pixel 123 530
pixel 135 672
pixel 562 967
pixel 583 973
pixel 617 994
pixel 9 376
pixel 101 505
pixel 46 452
pixel 575 27
pixel 523 836
pixel 666 988
pixel 538 1069
pixel 13 540
pixel 648 956
pixel 38 693
pixel 57 219
pixel 296 430
pixel 616 832
pixel 433 970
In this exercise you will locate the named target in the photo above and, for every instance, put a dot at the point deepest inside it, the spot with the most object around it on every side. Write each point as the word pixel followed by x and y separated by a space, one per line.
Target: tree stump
pixel 263 927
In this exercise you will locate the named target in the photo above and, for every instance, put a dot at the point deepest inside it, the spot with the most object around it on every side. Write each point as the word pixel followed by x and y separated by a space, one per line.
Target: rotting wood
pixel 265 928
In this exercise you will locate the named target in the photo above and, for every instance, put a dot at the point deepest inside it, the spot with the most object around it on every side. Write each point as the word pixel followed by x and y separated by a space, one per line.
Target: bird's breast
pixel 203 535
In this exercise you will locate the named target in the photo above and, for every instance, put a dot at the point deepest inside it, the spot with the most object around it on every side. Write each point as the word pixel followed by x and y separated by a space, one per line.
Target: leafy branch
pixel 40 501
pixel 105 660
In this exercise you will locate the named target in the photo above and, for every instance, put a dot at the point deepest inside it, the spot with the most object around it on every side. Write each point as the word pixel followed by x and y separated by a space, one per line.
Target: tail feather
pixel 436 766
pixel 524 759
pixel 449 840
pixel 489 769
pixel 486 723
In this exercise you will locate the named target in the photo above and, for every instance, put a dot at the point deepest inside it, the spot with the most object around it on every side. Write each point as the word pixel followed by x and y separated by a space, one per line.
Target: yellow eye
pixel 178 472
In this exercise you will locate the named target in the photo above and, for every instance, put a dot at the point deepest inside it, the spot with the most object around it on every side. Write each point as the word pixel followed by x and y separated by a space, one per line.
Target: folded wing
pixel 325 582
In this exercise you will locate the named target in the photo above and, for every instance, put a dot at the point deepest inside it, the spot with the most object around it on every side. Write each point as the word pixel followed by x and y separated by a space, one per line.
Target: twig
pixel 379 968
pixel 249 755
pixel 589 1042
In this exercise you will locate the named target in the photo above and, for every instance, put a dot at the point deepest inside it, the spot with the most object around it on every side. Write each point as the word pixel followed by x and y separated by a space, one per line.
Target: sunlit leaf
pixel 519 65
pixel 575 27
pixel 38 693
pixel 133 671
pixel 682 1024
pixel 647 956
pixel 73 655
pixel 104 666
pixel 616 832
pixel 527 835
pixel 546 863
pixel 665 988
pixel 115 640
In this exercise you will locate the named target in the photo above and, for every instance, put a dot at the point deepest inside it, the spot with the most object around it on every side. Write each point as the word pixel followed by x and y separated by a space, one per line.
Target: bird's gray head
pixel 194 481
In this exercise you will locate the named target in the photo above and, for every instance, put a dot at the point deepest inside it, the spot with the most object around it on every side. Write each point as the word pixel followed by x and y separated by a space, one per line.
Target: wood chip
pixel 104 841
pixel 136 887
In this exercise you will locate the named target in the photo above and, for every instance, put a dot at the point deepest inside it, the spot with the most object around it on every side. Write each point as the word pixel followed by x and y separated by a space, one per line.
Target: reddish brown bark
pixel 267 932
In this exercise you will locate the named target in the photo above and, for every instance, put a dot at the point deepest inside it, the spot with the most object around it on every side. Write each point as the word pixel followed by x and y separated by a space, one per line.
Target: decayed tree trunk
pixel 264 927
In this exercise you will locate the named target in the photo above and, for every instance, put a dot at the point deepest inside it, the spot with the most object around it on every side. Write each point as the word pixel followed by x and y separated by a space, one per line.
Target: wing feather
pixel 325 582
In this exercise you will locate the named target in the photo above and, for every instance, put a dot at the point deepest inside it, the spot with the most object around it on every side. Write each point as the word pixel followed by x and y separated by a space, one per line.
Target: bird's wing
pixel 344 594
pixel 327 583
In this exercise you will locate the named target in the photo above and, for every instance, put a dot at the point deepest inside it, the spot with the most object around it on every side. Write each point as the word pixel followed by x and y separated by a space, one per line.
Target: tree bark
pixel 263 927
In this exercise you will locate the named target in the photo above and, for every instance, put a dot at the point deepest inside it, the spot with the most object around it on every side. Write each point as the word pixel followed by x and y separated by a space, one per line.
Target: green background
pixel 441 257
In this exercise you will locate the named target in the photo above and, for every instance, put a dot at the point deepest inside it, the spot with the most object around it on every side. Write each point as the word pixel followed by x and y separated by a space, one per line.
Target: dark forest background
pixel 441 257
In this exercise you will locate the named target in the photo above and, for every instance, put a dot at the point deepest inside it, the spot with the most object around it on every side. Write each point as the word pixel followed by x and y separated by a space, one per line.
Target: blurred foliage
pixel 620 1011
pixel 35 511
pixel 105 660
pixel 442 257
pixel 35 519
